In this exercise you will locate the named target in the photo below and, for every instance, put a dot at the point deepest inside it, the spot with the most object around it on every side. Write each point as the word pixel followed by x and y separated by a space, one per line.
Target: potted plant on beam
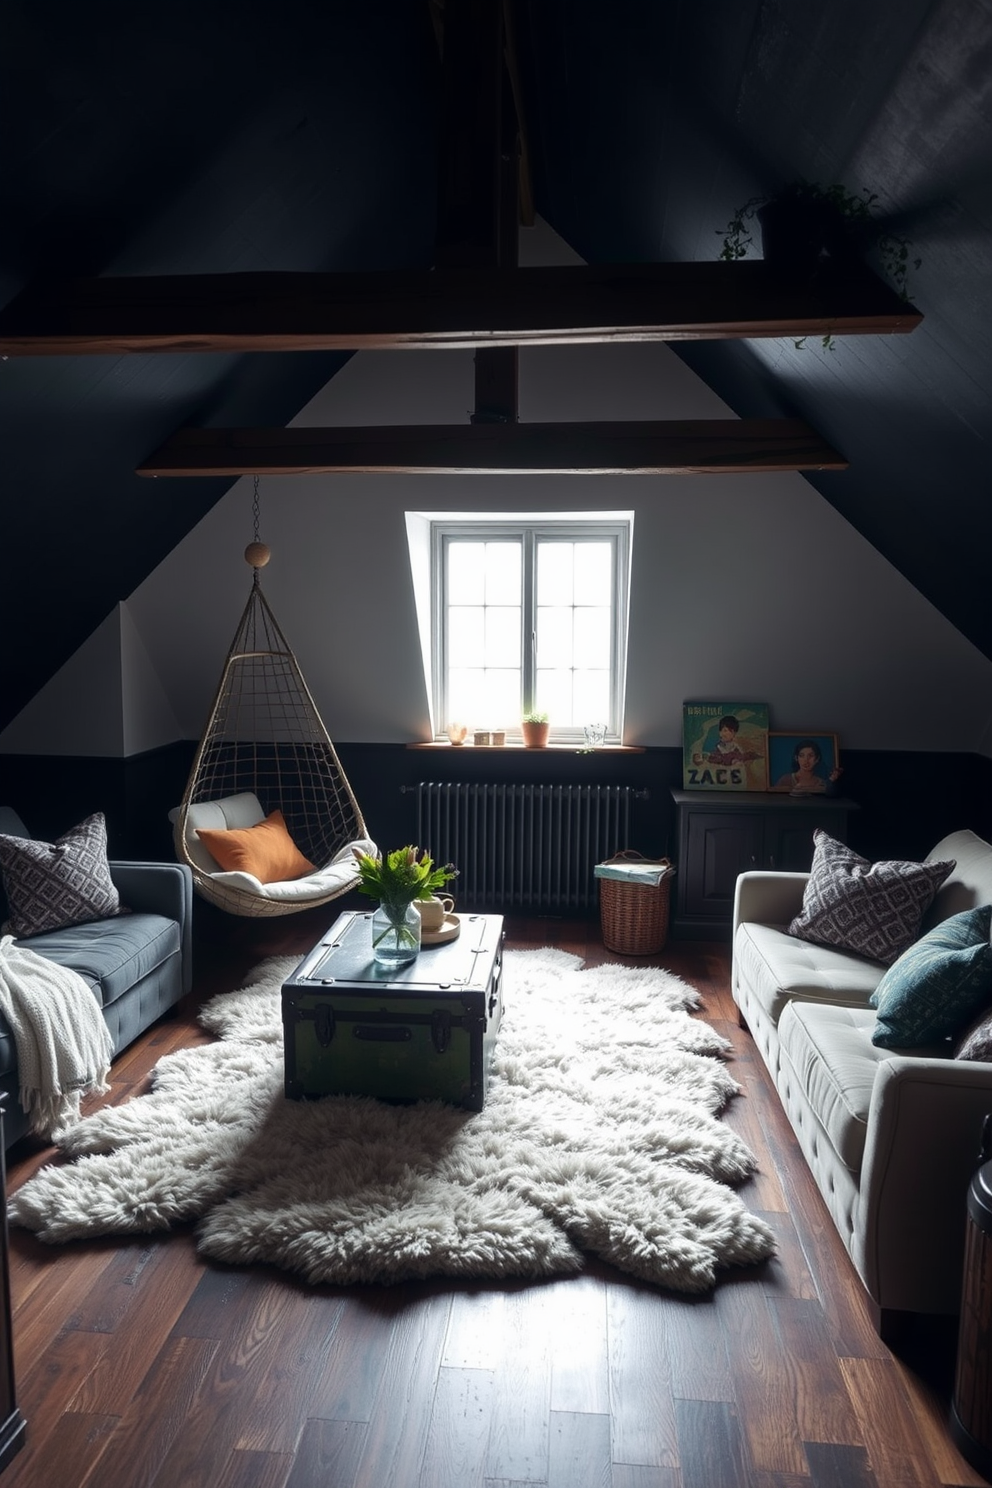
pixel 534 727
pixel 805 225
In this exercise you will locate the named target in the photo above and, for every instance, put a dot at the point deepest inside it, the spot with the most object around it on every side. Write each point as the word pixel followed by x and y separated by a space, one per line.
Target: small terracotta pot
pixel 535 734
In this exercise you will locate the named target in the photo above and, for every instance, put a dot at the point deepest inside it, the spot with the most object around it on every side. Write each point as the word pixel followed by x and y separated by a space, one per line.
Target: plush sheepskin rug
pixel 600 1134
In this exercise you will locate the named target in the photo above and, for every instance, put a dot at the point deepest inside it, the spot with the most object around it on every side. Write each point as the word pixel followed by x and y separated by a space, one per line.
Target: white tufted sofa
pixel 891 1139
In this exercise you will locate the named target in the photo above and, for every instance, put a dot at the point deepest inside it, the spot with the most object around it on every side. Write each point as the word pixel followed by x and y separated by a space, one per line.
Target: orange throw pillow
pixel 265 850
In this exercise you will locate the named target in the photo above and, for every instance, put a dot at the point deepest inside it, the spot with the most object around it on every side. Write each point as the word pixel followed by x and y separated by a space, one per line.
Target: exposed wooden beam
pixel 678 447
pixel 447 308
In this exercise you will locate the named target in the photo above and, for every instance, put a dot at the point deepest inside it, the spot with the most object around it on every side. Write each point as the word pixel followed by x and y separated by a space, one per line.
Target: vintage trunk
pixel 424 1031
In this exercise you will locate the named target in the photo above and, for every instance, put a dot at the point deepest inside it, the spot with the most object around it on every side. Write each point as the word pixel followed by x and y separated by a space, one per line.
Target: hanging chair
pixel 266 749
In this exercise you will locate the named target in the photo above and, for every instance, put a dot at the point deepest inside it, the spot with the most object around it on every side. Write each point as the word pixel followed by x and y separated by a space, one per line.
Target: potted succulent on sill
pixel 806 224
pixel 534 727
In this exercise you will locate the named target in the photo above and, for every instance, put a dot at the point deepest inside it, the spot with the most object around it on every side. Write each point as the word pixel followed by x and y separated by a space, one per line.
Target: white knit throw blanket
pixel 64 1047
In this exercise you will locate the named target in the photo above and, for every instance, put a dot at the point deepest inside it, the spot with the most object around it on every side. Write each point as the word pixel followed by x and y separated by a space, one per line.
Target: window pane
pixel 554 695
pixel 591 694
pixel 593 573
pixel 484 697
pixel 502 702
pixel 466 694
pixel 592 637
pixel 466 636
pixel 502 637
pixel 502 579
pixel 554 637
pixel 466 565
pixel 554 573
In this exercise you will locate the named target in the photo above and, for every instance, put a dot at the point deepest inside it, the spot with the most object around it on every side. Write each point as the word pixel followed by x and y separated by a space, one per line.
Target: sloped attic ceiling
pixel 235 137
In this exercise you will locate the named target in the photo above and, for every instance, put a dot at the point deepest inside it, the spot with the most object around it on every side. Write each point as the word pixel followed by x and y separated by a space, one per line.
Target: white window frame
pixel 615 528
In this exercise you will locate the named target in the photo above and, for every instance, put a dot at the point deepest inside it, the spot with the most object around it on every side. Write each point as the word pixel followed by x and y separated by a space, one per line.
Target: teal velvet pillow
pixel 938 985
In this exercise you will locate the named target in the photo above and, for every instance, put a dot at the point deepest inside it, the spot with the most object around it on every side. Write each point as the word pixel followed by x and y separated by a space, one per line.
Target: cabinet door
pixel 719 846
pixel 789 839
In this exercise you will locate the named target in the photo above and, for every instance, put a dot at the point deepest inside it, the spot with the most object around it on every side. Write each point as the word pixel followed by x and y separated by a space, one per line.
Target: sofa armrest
pixel 164 889
pixel 768 898
pixel 922 1147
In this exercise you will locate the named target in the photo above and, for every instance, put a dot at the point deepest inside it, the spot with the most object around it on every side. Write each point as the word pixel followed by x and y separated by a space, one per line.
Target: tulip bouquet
pixel 397 879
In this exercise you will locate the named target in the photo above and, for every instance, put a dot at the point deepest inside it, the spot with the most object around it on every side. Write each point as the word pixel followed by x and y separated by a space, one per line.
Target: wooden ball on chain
pixel 257 554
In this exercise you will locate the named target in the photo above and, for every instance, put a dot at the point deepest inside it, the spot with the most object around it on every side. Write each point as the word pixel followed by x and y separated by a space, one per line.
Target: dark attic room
pixel 496 744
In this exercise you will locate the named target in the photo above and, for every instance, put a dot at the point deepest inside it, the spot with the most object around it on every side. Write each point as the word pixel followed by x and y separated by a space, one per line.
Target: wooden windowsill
pixel 512 748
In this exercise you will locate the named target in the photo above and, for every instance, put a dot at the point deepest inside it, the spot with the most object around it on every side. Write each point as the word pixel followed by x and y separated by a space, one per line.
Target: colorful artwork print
pixel 803 764
pixel 725 746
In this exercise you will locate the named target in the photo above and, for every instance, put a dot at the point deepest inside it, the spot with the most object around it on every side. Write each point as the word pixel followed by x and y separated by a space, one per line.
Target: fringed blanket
pixel 64 1047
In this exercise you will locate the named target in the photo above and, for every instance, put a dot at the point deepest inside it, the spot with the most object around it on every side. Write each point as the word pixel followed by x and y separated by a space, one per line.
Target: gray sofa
pixel 138 964
pixel 892 1139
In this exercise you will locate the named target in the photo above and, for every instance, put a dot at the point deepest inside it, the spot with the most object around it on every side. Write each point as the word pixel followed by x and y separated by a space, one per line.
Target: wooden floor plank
pixel 328 1454
pixel 282 1393
pixel 256 1470
pixel 579 1451
pixel 787 1273
pixel 397 1433
pixel 695 1335
pixel 765 1387
pixel 458 1434
pixel 222 1415
pixel 210 1306
pixel 49 1386
pixel 823 1404
pixel 580 1361
pixel 144 1305
pixel 840 1467
pixel 476 1335
pixel 894 1443
pixel 634 1475
pixel 157 1414
pixel 711 1445
pixel 518 1444
pixel 68 1456
pixel 641 1399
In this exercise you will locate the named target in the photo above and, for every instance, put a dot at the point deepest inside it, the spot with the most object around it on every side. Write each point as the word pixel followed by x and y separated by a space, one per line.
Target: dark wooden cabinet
pixel 720 836
pixel 11 1420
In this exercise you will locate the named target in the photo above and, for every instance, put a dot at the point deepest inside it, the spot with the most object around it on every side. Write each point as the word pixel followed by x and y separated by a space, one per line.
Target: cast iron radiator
pixel 529 848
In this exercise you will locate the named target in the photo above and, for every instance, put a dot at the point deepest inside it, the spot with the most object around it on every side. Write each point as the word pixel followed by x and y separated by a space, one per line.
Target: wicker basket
pixel 633 916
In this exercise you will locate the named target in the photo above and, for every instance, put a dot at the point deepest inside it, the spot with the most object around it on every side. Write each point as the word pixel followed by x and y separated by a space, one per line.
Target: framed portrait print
pixel 725 746
pixel 803 764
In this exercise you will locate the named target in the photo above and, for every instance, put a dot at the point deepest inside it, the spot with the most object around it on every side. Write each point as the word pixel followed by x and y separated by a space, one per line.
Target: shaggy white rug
pixel 599 1134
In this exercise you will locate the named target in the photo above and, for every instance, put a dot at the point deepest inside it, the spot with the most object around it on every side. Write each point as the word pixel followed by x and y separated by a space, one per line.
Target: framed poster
pixel 803 764
pixel 725 746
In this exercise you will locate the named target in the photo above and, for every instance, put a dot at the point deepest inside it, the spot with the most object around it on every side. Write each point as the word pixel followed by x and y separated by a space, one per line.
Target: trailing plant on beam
pixel 806 223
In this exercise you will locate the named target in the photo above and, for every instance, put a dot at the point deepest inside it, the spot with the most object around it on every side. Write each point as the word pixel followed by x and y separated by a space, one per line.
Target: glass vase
pixel 395 934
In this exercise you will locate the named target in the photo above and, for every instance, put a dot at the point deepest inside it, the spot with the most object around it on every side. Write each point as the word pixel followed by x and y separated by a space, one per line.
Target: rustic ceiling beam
pixel 677 447
pixel 450 308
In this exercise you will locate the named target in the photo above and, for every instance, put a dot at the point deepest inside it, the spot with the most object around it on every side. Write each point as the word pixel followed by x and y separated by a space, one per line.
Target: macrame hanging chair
pixel 265 749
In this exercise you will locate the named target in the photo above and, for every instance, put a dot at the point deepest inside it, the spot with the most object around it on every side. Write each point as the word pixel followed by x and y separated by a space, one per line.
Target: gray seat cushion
pixel 830 1052
pixel 112 955
pixel 778 967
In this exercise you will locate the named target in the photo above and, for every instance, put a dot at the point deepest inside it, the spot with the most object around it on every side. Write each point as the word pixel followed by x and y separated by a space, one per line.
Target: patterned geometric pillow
pixel 938 984
pixel 873 909
pixel 53 884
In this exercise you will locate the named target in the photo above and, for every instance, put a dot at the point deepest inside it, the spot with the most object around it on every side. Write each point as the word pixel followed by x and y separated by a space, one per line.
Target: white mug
pixel 433 911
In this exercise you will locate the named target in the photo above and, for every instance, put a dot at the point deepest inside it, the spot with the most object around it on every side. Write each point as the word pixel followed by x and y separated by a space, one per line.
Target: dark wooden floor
pixel 139 1364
